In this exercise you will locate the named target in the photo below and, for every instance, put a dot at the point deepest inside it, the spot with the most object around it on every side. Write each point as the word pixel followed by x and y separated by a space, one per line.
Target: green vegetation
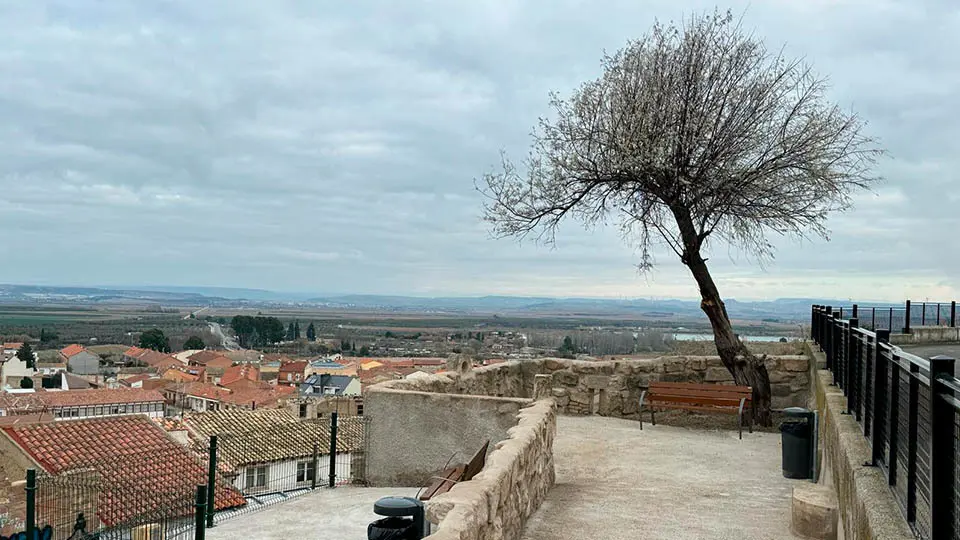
pixel 25 354
pixel 156 340
pixel 26 382
pixel 257 331
pixel 193 342
pixel 311 332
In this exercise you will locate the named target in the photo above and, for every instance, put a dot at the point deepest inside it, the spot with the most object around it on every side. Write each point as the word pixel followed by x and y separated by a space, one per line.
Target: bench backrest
pixel 712 394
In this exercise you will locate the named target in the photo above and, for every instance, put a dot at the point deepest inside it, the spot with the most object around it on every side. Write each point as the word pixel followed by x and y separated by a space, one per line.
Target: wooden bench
pixel 450 476
pixel 699 397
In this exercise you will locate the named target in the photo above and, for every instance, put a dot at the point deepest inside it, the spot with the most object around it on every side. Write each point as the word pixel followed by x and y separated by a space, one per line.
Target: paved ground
pixel 617 482
pixel 331 514
pixel 933 349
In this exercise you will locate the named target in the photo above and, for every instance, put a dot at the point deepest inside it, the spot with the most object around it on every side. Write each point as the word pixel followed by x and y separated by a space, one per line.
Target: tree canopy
pixel 25 354
pixel 311 332
pixel 155 339
pixel 694 136
pixel 257 331
pixel 194 342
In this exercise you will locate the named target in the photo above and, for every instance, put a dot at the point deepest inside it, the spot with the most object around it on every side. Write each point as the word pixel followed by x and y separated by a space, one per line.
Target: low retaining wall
pixel 927 334
pixel 497 503
pixel 610 388
pixel 867 508
pixel 412 435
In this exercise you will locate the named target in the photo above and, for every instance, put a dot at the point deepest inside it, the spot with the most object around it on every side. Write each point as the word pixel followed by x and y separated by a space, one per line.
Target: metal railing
pixel 900 319
pixel 908 409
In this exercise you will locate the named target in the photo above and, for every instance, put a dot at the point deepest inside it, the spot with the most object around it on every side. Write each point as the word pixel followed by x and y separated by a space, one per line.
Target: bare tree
pixel 692 135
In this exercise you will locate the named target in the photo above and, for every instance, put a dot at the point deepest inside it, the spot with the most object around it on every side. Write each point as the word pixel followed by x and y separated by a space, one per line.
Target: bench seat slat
pixel 700 394
pixel 715 402
pixel 693 407
pixel 698 387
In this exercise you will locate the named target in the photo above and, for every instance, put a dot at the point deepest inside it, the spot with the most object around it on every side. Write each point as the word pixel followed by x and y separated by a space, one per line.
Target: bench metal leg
pixel 740 419
pixel 653 416
pixel 643 394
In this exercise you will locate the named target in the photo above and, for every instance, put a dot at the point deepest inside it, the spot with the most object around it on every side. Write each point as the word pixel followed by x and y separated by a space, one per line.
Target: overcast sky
pixel 333 146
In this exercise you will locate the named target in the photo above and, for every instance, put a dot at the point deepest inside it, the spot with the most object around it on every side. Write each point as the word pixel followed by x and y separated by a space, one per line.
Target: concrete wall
pixel 867 508
pixel 927 334
pixel 412 435
pixel 610 388
pixel 519 473
pixel 84 363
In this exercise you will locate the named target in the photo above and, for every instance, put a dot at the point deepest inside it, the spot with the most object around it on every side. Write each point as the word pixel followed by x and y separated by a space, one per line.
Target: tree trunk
pixel 747 369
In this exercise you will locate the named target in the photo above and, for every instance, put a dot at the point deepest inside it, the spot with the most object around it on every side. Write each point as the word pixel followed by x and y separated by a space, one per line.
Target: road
pixel 195 313
pixel 226 341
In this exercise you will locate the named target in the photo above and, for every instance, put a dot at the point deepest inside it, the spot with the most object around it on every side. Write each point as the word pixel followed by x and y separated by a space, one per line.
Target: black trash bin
pixel 404 519
pixel 797 438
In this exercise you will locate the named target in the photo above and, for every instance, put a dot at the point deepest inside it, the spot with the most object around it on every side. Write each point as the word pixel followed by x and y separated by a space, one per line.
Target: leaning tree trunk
pixel 747 369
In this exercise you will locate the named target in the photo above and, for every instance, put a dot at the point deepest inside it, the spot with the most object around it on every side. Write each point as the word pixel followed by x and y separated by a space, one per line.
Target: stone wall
pixel 497 503
pixel 867 508
pixel 413 435
pixel 609 388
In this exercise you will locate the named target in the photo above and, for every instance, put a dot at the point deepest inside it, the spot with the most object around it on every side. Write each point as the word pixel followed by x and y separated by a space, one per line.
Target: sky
pixel 333 146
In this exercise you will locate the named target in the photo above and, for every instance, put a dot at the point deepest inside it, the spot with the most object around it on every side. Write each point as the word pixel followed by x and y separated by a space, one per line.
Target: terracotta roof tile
pixel 239 372
pixel 129 452
pixel 71 350
pixel 268 435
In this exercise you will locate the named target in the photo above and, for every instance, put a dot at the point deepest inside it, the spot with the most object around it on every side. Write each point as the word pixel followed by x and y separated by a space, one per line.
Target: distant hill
pixel 785 309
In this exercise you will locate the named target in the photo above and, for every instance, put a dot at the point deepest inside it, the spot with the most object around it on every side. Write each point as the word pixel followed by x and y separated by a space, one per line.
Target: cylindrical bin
pixel 405 519
pixel 797 436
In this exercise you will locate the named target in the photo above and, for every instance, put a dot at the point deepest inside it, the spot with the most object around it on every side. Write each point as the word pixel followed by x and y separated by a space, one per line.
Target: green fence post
pixel 211 480
pixel 333 449
pixel 200 505
pixel 31 490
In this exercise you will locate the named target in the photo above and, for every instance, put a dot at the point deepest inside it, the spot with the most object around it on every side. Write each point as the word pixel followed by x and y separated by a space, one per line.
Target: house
pixel 201 397
pixel 136 472
pixel 270 450
pixel 13 369
pixel 185 374
pixel 136 381
pixel 184 356
pixel 77 404
pixel 79 360
pixel 311 407
pixel 209 359
pixel 51 368
pixel 330 385
pixel 239 372
pixel 291 373
pixel 10 349
pixel 323 366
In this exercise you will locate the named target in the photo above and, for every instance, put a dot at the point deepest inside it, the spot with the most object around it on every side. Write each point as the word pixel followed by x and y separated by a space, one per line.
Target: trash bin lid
pixel 397 506
pixel 797 411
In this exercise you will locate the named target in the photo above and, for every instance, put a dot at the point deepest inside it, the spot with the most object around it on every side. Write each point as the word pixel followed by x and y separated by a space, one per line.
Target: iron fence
pixel 908 409
pixel 287 460
pixel 900 319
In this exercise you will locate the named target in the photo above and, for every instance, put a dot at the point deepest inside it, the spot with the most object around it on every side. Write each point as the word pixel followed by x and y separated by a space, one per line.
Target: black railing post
pixel 316 461
pixel 836 334
pixel 873 319
pixel 200 511
pixel 850 365
pixel 953 314
pixel 333 449
pixel 923 313
pixel 912 419
pixel 813 323
pixel 893 433
pixel 943 448
pixel 890 321
pixel 855 314
pixel 31 490
pixel 906 320
pixel 938 313
pixel 824 345
pixel 879 395
pixel 211 480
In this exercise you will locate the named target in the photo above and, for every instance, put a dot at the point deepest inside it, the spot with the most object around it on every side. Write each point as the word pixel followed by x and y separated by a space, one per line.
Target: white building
pixel 77 404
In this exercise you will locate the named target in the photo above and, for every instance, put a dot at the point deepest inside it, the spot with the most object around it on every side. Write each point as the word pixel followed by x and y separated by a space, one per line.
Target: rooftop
pixel 123 451
pixel 666 481
pixel 71 350
pixel 99 396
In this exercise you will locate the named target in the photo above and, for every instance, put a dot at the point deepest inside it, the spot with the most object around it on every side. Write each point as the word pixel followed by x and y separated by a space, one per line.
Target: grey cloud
pixel 311 146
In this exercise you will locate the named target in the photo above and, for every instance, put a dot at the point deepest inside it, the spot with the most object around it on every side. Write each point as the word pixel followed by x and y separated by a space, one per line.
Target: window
pixel 257 476
pixel 329 390
pixel 306 471
pixel 303 410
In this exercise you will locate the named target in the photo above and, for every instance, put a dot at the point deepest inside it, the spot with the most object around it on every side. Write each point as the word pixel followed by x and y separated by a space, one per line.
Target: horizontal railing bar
pixel 951 400
pixel 951 383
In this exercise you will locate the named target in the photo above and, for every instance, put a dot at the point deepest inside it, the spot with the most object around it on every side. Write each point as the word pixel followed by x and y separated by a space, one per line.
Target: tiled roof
pixel 71 350
pixel 136 378
pixel 158 359
pixel 100 396
pixel 20 403
pixel 12 346
pixel 181 375
pixel 239 372
pixel 128 452
pixel 135 352
pixel 205 357
pixel 293 367
pixel 268 435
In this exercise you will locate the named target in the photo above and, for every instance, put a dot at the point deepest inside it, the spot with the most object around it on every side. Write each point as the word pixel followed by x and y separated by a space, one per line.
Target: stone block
pixel 717 374
pixel 596 381
pixel 780 390
pixel 565 378
pixel 814 511
pixel 794 364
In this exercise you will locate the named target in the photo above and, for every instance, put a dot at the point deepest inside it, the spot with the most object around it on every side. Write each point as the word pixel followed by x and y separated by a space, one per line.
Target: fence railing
pixel 908 409
pixel 900 319
pixel 153 496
